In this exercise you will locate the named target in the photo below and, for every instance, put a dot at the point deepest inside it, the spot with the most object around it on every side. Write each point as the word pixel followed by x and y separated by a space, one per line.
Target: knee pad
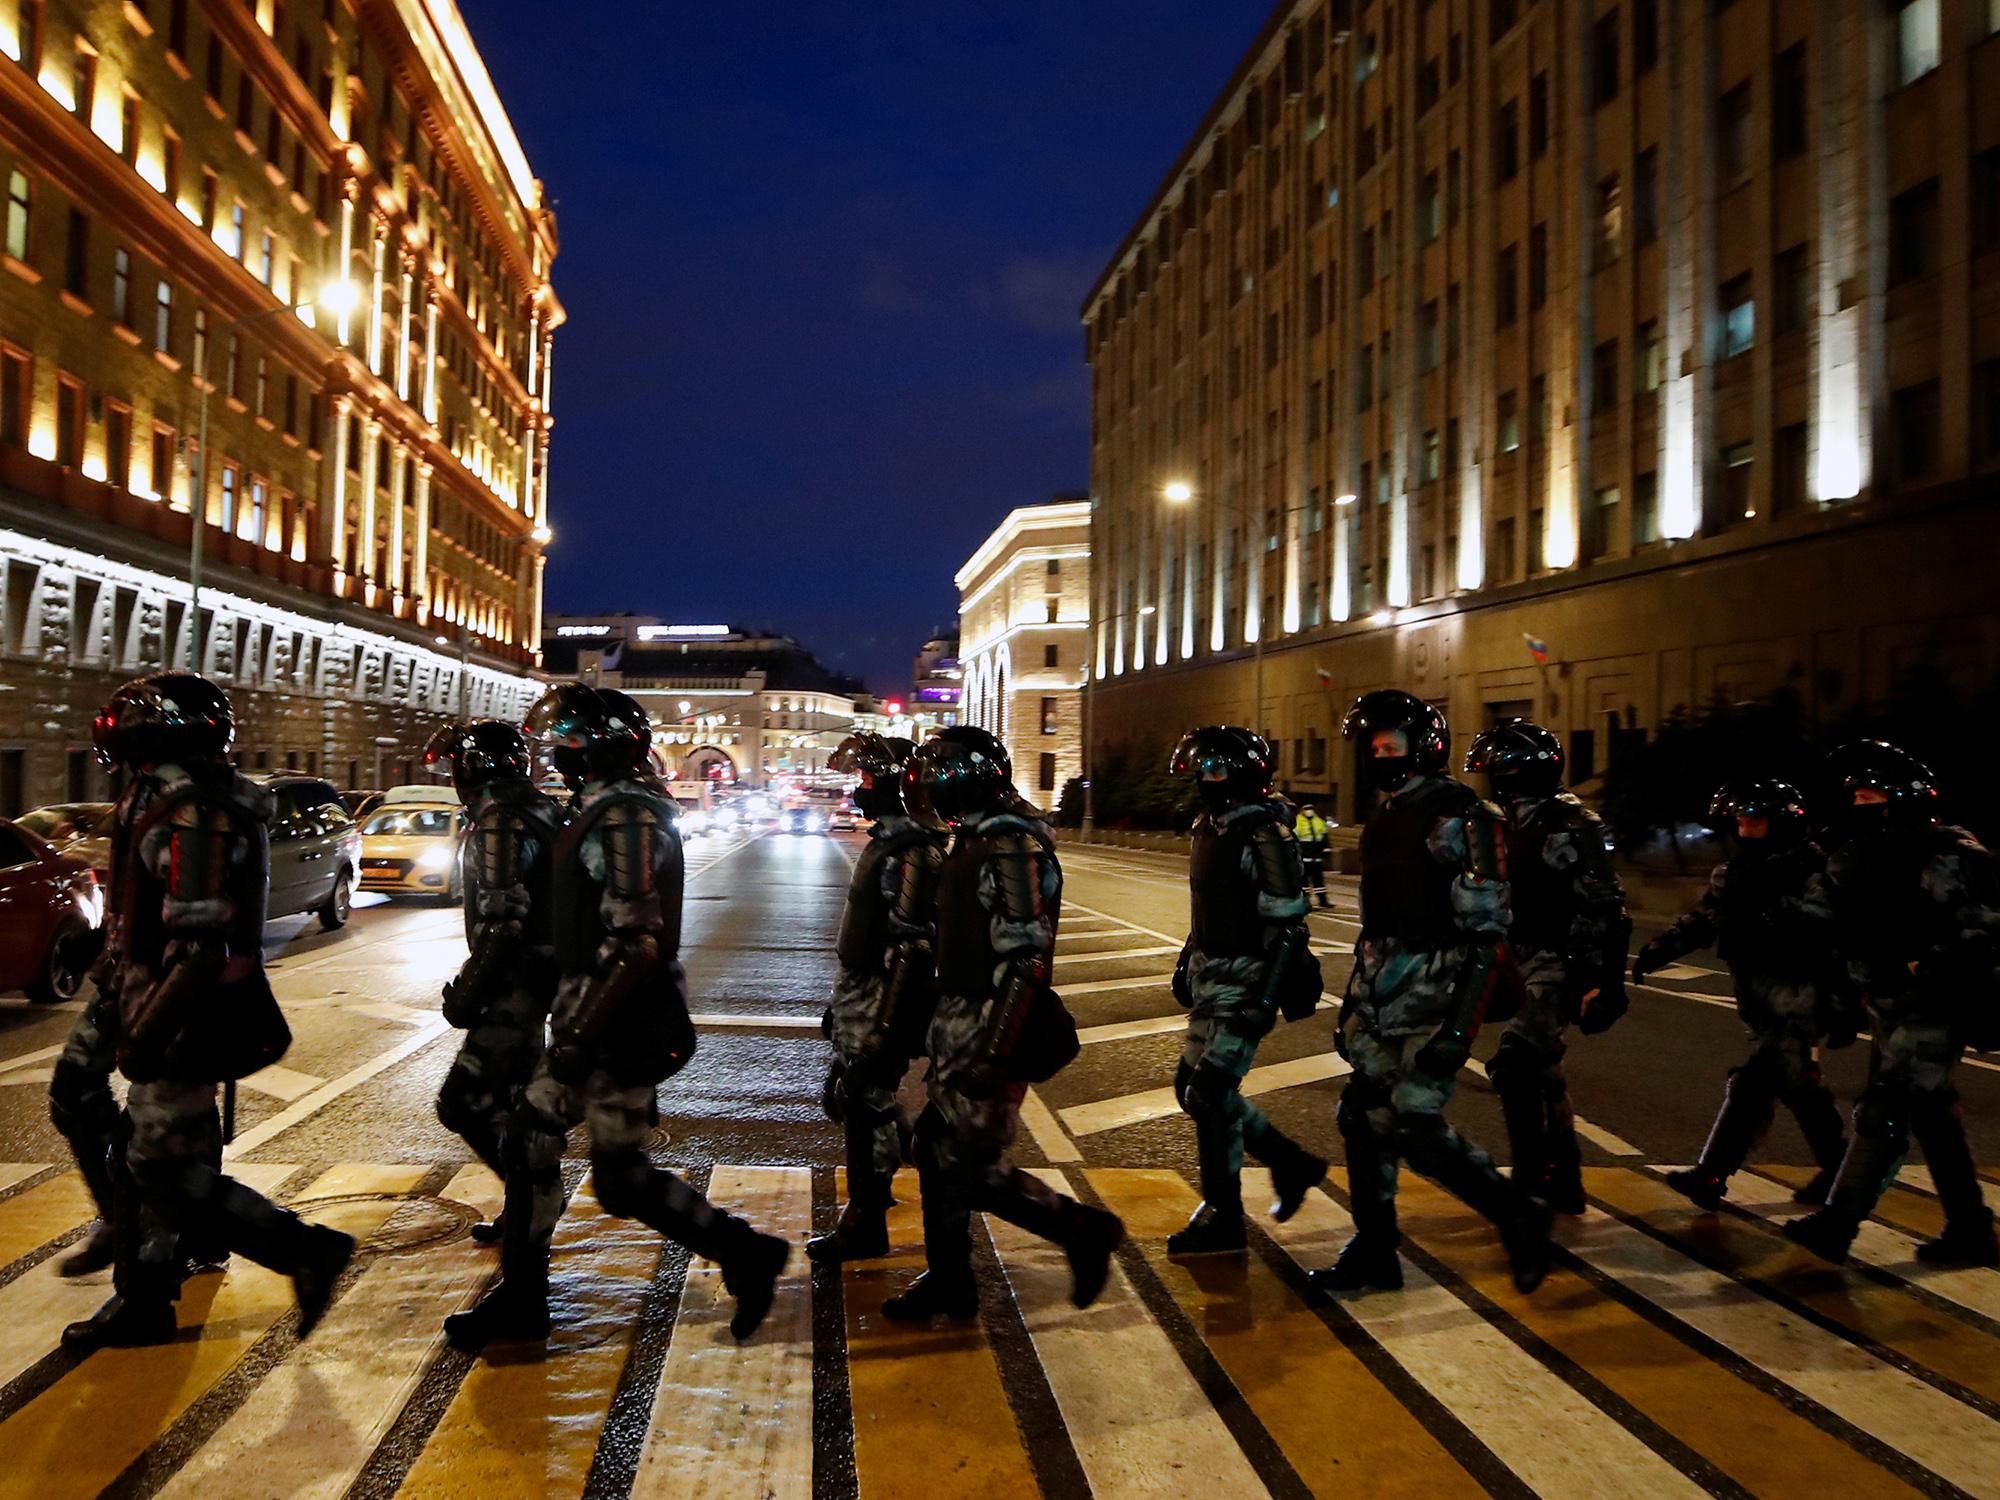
pixel 1206 1096
pixel 1882 1113
pixel 1363 1111
pixel 620 1178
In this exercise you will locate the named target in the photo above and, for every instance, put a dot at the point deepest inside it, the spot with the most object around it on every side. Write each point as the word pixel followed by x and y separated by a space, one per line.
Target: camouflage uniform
pixel 1568 934
pixel 503 992
pixel 1434 915
pixel 879 996
pixel 1248 911
pixel 1768 915
pixel 1919 917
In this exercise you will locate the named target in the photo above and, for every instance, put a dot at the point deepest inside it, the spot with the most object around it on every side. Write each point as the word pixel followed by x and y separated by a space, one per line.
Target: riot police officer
pixel 881 996
pixel 1248 957
pixel 1918 912
pixel 194 1007
pixel 996 1028
pixel 1568 935
pixel 620 1025
pixel 1766 912
pixel 502 993
pixel 1431 957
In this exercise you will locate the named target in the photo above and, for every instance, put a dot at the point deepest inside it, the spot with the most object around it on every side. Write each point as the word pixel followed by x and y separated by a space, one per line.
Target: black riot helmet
pixel 1230 765
pixel 1519 758
pixel 878 760
pixel 956 775
pixel 476 754
pixel 1883 788
pixel 1426 742
pixel 170 718
pixel 1767 815
pixel 590 734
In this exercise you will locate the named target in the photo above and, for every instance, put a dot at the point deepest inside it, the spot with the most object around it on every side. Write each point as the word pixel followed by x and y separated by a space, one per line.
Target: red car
pixel 50 904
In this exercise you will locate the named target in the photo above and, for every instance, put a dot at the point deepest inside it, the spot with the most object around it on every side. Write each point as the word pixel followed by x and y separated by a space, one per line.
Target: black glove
pixel 1445 1053
pixel 569 1062
pixel 833 1093
pixel 1603 1005
pixel 1340 1034
pixel 1648 959
pixel 1182 986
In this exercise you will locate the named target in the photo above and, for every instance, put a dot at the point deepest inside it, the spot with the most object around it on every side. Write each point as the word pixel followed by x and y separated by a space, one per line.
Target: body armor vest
pixel 1544 899
pixel 1405 893
pixel 1886 919
pixel 965 954
pixel 578 904
pixel 141 895
pixel 534 817
pixel 1223 918
pixel 864 923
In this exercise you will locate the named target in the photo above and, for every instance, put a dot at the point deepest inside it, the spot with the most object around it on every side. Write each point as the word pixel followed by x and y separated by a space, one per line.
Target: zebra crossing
pixel 1670 1353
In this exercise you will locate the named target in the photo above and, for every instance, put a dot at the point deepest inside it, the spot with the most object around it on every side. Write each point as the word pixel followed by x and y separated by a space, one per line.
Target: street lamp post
pixel 335 297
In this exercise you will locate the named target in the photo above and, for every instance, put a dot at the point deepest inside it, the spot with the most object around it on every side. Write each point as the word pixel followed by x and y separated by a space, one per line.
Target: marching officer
pixel 194 1008
pixel 996 1028
pixel 1917 904
pixel 502 993
pixel 620 1025
pixel 1767 913
pixel 1310 829
pixel 1568 934
pixel 881 996
pixel 1248 957
pixel 1431 957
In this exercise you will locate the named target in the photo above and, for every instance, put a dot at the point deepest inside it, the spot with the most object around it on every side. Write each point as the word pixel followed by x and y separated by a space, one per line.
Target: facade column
pixel 1687 194
pixel 335 485
pixel 1846 88
pixel 403 325
pixel 398 493
pixel 420 563
pixel 380 255
pixel 542 480
pixel 430 354
pixel 345 328
pixel 528 468
pixel 534 640
pixel 364 562
pixel 534 351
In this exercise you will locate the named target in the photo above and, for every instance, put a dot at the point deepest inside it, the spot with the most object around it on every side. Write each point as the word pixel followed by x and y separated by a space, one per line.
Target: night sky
pixel 822 265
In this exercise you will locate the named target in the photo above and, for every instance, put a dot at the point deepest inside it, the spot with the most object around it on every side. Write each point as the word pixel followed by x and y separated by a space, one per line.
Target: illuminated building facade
pixel 728 704
pixel 1658 338
pixel 320 207
pixel 1023 626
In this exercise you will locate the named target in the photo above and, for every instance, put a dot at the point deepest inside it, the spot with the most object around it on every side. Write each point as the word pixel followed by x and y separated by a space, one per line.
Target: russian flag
pixel 1537 648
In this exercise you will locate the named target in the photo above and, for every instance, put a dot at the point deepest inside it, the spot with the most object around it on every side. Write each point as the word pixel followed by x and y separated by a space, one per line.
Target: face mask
pixel 1388 773
pixel 1218 797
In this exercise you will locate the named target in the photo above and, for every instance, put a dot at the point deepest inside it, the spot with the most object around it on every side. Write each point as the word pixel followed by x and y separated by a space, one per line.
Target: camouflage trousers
pixel 862 1081
pixel 1527 1074
pixel 1910 1094
pixel 494 1063
pixel 1391 1112
pixel 173 1154
pixel 1783 1018
pixel 1221 1045
pixel 618 1117
pixel 81 1104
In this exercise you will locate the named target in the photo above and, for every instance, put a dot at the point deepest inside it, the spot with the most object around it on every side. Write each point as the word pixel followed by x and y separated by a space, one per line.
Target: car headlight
pixel 433 859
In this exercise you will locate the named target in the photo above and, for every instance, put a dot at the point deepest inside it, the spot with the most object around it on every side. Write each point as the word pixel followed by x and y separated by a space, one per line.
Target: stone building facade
pixel 1024 628
pixel 185 181
pixel 1583 358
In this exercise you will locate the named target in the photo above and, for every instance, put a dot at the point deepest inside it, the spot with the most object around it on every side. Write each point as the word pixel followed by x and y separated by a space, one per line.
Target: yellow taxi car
pixel 412 849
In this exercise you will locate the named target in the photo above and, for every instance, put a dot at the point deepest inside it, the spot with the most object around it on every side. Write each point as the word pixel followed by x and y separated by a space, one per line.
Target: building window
pixel 1431 461
pixel 210 199
pixel 163 316
pixel 1049 724
pixel 1645 509
pixel 1430 216
pixel 1427 337
pixel 76 258
pixel 86 80
pixel 1985 199
pixel 1646 195
pixel 16 386
pixel 163 463
pixel 19 207
pixel 232 367
pixel 1917 39
pixel 1454 179
pixel 177 27
pixel 1507 423
pixel 1985 411
pixel 1739 316
pixel 1451 320
pixel 267 258
pixel 1506 142
pixel 1538 408
pixel 1604 59
pixel 1789 92
pixel 1732 136
pixel 29 33
pixel 1538 266
pixel 1538 116
pixel 1913 233
pixel 1604 377
pixel 237 242
pixel 263 384
pixel 1792 292
pixel 1788 470
pixel 260 500
pixel 1506 287
pixel 1738 464
pixel 229 480
pixel 1051 656
pixel 1610 221
pixel 69 421
pixel 1914 414
pixel 201 342
pixel 1645 36
pixel 1048 771
pixel 1649 369
pixel 118 444
pixel 128 129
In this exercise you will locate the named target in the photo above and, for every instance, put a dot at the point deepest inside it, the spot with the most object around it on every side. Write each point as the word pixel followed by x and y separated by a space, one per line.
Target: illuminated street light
pixel 1178 491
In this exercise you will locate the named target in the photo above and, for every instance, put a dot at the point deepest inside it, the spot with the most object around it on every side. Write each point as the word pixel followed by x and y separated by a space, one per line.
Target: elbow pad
pixel 1292 979
pixel 495 962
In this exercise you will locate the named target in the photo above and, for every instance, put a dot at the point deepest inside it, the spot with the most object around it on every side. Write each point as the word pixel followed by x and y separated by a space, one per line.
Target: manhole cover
pixel 418 1223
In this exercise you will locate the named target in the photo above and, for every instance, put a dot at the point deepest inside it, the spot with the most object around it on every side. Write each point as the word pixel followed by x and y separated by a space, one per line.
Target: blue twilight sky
pixel 822 264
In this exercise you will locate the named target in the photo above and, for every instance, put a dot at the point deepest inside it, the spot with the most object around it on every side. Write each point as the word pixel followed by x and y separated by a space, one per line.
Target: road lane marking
pixel 125 1398
pixel 35 1307
pixel 311 1423
pixel 930 1415
pixel 1510 1400
pixel 1766 1440
pixel 12 1172
pixel 1103 986
pixel 305 1108
pixel 1152 932
pixel 40 1054
pixel 1339 1427
pixel 1121 1425
pixel 281 1082
pixel 734 1419
pixel 1897 1409
pixel 1122 953
pixel 1046 1130
pixel 1120 1031
pixel 722 1021
pixel 23 1077
pixel 530 1426
pixel 1153 1104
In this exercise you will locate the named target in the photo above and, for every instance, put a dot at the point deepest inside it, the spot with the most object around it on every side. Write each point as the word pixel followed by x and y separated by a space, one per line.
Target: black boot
pixel 1524 1108
pixel 1217 1225
pixel 1295 1171
pixel 946 1289
pixel 1212 1230
pixel 750 1273
pixel 1368 1262
pixel 861 1234
pixel 1968 1238
pixel 515 1310
pixel 124 1322
pixel 96 1251
pixel 1562 1190
pixel 1870 1165
pixel 323 1255
pixel 1739 1125
pixel 1365 1264
pixel 491 1231
pixel 1088 1236
pixel 1828 1233
pixel 141 1309
pixel 1434 1149
pixel 1826 1138
pixel 935 1295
